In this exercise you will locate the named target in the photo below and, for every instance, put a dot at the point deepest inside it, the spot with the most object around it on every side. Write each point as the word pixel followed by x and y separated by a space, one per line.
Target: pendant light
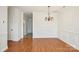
pixel 49 17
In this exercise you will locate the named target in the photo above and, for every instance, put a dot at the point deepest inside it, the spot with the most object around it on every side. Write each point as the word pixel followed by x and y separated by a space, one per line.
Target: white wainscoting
pixel 71 38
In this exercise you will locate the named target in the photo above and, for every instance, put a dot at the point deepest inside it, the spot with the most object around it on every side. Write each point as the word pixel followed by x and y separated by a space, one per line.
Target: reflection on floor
pixel 39 45
pixel 29 35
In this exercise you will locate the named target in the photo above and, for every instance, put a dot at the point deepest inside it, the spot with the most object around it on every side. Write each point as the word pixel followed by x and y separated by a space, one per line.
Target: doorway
pixel 27 25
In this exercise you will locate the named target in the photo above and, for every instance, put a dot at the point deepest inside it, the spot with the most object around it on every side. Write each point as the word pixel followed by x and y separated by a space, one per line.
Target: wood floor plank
pixel 40 45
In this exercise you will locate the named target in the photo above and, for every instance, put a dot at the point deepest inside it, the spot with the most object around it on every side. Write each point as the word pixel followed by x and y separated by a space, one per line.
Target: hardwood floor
pixel 39 45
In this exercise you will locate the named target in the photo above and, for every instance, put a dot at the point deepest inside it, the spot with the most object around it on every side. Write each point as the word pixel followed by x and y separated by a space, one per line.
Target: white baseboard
pixel 74 46
pixel 44 37
pixel 18 39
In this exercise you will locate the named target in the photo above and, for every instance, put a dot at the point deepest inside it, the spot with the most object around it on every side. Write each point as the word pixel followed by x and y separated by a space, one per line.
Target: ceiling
pixel 39 8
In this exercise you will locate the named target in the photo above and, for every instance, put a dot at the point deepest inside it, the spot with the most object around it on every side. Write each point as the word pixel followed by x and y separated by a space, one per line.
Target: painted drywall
pixel 3 28
pixel 15 24
pixel 68 26
pixel 43 28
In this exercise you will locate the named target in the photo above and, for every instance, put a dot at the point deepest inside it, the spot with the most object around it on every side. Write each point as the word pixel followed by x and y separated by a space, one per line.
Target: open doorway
pixel 27 25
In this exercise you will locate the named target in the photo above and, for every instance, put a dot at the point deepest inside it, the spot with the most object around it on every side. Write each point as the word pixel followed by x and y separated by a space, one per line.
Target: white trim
pixel 16 39
pixel 45 36
pixel 74 46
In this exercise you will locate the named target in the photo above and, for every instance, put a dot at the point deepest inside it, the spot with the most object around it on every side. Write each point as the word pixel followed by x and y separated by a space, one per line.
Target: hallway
pixel 40 45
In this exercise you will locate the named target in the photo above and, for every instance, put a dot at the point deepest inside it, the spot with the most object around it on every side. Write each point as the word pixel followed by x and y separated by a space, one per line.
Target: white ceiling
pixel 40 8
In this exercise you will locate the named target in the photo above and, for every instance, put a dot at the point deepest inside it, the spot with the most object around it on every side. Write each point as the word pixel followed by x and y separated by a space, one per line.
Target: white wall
pixel 43 28
pixel 15 24
pixel 68 26
pixel 3 28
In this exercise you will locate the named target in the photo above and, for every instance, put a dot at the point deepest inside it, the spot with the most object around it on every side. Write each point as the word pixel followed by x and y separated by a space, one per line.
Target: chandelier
pixel 49 17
